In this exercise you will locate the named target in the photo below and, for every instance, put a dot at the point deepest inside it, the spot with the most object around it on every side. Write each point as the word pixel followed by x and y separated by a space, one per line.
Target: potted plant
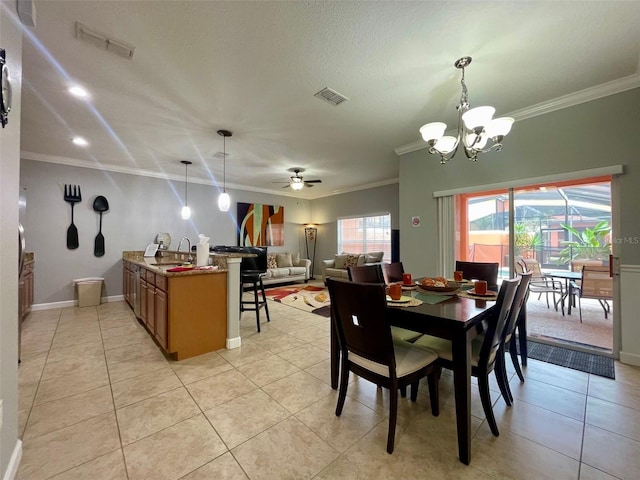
pixel 591 243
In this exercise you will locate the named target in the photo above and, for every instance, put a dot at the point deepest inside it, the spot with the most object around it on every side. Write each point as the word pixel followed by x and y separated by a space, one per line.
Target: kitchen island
pixel 186 312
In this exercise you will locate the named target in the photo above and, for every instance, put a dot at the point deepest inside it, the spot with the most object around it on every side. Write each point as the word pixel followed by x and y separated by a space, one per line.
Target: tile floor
pixel 98 400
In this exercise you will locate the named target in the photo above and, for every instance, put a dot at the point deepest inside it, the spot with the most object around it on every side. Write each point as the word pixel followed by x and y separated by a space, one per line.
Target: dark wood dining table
pixel 457 319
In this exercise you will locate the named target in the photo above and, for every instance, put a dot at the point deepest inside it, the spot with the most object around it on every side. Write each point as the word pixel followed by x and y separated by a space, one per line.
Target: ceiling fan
pixel 297 182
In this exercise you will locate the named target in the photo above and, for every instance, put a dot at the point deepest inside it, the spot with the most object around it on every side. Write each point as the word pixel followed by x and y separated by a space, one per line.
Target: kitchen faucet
pixel 190 259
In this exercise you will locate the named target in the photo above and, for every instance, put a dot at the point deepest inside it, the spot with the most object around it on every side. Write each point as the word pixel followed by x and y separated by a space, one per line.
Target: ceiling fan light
pixel 186 213
pixel 433 131
pixel 224 202
pixel 297 185
pixel 446 144
pixel 478 117
pixel 499 127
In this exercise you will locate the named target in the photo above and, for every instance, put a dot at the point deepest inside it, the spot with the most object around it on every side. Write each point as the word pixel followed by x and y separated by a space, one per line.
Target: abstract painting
pixel 260 225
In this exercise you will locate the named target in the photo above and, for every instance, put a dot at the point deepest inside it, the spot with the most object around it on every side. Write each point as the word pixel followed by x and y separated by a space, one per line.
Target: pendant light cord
pixel 186 165
pixel 224 164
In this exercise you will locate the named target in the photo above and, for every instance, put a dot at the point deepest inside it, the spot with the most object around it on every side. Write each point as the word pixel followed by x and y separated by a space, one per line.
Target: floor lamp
pixel 310 236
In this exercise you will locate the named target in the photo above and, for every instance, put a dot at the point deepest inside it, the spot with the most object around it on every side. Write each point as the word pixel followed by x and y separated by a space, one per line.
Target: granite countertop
pixel 168 260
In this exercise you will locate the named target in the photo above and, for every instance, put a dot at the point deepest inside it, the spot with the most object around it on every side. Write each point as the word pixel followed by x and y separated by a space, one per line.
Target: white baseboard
pixel 14 462
pixel 630 359
pixel 233 342
pixel 72 303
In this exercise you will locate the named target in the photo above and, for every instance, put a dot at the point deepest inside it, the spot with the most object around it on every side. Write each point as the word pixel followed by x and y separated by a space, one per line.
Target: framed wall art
pixel 260 225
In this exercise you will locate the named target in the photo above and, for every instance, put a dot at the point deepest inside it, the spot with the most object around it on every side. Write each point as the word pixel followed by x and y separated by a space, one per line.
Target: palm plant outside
pixel 525 241
pixel 590 243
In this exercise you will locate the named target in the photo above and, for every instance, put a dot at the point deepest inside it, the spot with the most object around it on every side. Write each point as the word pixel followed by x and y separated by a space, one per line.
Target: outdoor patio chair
pixel 540 283
pixel 596 283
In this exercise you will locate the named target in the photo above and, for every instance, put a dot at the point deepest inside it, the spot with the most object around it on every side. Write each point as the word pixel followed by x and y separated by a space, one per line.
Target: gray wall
pixel 325 212
pixel 11 41
pixel 139 208
pixel 594 134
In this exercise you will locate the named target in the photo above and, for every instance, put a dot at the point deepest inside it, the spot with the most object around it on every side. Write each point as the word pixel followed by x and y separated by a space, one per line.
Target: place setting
pixel 395 298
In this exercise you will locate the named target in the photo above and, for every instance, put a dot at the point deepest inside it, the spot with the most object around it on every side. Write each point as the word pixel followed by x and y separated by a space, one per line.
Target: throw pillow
pixel 295 258
pixel 271 260
pixel 339 260
pixel 352 261
pixel 361 260
pixel 283 260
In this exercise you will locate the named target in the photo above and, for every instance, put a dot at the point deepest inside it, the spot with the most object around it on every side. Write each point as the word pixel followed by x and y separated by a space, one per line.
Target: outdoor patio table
pixel 568 276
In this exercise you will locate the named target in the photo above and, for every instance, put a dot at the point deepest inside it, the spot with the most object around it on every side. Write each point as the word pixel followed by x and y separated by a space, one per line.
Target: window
pixel 365 234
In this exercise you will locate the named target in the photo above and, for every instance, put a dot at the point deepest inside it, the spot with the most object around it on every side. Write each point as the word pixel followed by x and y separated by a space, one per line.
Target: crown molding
pixel 576 98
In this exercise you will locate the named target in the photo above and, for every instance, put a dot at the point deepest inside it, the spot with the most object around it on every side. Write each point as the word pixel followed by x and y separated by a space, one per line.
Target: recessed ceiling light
pixel 78 91
pixel 81 142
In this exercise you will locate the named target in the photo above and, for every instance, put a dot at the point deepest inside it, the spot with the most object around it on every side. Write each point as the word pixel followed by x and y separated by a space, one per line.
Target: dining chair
pixel 509 343
pixel 392 272
pixel 597 284
pixel 540 283
pixel 484 350
pixel 373 274
pixel 366 274
pixel 368 350
pixel 480 271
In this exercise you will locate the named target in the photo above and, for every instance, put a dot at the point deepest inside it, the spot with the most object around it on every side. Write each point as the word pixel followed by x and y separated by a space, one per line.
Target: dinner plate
pixel 489 293
pixel 402 299
pixel 411 286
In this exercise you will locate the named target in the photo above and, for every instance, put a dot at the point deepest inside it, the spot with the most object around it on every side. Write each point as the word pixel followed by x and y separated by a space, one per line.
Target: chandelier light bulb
pixel 478 117
pixel 297 185
pixel 433 131
pixel 499 127
pixel 446 144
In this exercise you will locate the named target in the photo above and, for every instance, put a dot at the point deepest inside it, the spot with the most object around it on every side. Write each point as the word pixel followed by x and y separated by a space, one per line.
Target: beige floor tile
pixel 220 388
pixel 64 341
pixel 90 351
pixel 289 450
pixel 304 356
pixel 174 452
pixel 627 374
pixel 558 376
pixel 224 467
pixel 297 391
pixel 309 334
pixel 323 343
pixel 278 342
pixel 81 381
pixel 267 371
pixel 611 453
pixel 557 432
pixel 133 390
pixel 613 417
pixel 26 395
pixel 245 416
pixel 559 400
pixel 51 416
pixel 626 394
pixel 589 473
pixel 56 452
pixel 247 353
pixel 107 467
pixel 134 368
pixel 200 367
pixel 72 365
pixel 322 371
pixel 111 342
pixel 512 456
pixel 355 421
pixel 149 416
pixel 30 369
pixel 144 349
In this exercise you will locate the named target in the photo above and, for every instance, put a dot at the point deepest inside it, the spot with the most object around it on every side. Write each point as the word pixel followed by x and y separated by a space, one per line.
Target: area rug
pixel 566 357
pixel 304 297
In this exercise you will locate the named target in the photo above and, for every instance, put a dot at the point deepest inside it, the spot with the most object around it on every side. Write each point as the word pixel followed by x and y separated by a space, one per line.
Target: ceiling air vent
pixel 102 40
pixel 331 96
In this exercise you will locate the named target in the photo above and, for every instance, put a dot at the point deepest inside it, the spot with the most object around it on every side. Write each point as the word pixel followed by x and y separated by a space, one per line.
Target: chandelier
pixel 476 127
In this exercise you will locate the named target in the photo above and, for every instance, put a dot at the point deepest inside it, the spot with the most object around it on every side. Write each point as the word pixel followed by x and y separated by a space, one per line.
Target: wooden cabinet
pixel 25 289
pixel 186 314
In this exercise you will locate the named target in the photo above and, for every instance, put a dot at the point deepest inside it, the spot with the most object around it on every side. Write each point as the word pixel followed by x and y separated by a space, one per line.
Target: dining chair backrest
pixel 519 267
pixel 596 282
pixel 480 271
pixel 253 264
pixel 366 274
pixel 533 265
pixel 496 324
pixel 358 313
pixel 392 272
pixel 578 265
pixel 519 299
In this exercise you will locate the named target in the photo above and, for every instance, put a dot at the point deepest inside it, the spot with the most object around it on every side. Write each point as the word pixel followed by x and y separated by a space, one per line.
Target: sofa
pixel 286 268
pixel 337 266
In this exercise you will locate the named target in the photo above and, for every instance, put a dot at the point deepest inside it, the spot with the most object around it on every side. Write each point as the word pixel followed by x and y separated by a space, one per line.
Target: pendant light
pixel 224 201
pixel 186 211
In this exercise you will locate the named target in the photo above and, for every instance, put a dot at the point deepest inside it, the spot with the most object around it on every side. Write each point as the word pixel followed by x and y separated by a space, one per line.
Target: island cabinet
pixel 186 313
pixel 25 289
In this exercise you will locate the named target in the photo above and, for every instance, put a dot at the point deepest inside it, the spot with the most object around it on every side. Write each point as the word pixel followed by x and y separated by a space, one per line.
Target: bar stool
pixel 252 269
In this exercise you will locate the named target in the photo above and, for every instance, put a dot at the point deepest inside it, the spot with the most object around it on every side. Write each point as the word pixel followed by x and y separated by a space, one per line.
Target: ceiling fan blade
pixel 313 181
pixel 286 186
pixel 308 185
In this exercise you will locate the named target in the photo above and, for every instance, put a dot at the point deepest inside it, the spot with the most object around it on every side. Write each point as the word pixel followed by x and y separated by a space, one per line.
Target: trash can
pixel 89 291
